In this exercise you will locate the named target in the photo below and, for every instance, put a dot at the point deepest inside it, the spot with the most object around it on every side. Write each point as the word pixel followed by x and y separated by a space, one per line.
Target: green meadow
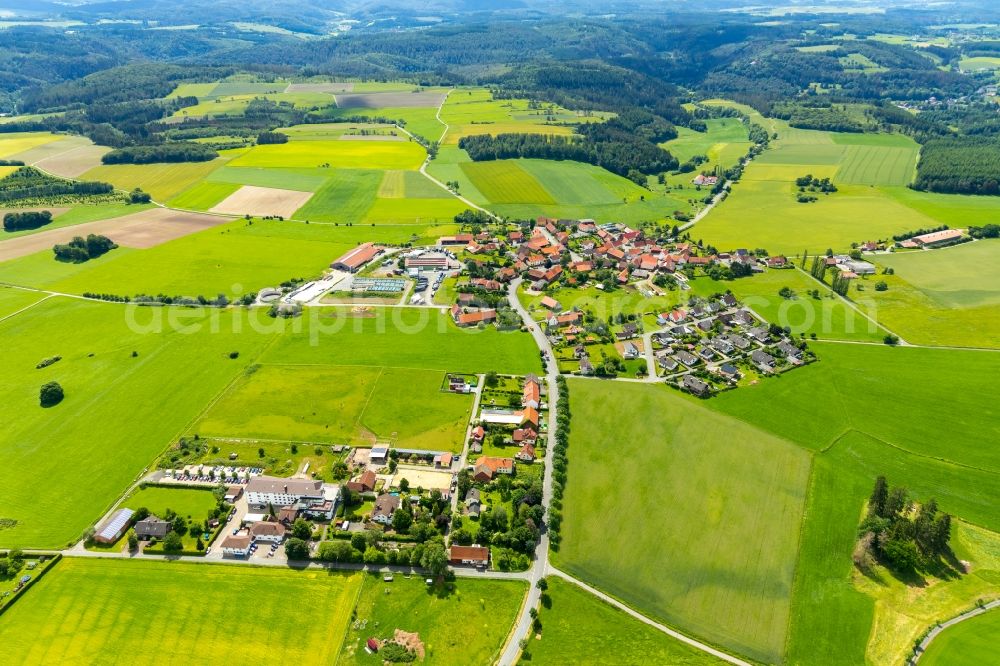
pixel 941 297
pixel 162 181
pixel 526 188
pixel 710 546
pixel 192 503
pixel 120 410
pixel 973 641
pixel 850 386
pixel 837 408
pixel 579 628
pixel 462 622
pixel 231 259
pixel 762 210
pixel 339 405
pixel 115 607
pixel 420 338
pixel 13 299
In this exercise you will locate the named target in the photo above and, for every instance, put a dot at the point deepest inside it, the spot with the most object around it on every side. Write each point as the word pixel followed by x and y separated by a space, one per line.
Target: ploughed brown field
pixel 389 100
pixel 141 230
pixel 262 201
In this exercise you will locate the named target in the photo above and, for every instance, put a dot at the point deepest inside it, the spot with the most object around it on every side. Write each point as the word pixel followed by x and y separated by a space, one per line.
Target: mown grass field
pixel 340 405
pixel 579 628
pixel 834 407
pixel 957 277
pixel 947 297
pixel 231 259
pixel 710 544
pixel 828 317
pixel 65 465
pixel 473 111
pixel 849 385
pixel 973 641
pixel 762 210
pixel 12 300
pixel 464 622
pixel 403 338
pixel 188 502
pixel 982 62
pixel 527 188
pixel 604 304
pixel 83 609
pixel 338 154
pixel 841 617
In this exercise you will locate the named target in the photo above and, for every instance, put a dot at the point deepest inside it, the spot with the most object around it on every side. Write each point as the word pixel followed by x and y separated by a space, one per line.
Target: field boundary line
pixel 361 414
pixel 673 633
pixel 926 456
pixel 798 550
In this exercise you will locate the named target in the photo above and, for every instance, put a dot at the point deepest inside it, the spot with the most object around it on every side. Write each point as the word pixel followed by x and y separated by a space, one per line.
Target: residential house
pixel 526 454
pixel 759 333
pixel 473 504
pixel 151 526
pixel 763 360
pixel 268 532
pixel 666 363
pixel 791 352
pixel 729 371
pixel 695 385
pixel 488 467
pixel 628 331
pixel 236 545
pixel 631 351
pixel 385 506
pixel 364 483
pixel 478 556
pixel 443 460
pixel 687 358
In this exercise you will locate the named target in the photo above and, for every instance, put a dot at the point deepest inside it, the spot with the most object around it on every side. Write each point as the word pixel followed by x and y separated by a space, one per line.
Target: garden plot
pixel 262 201
pixel 382 100
pixel 145 229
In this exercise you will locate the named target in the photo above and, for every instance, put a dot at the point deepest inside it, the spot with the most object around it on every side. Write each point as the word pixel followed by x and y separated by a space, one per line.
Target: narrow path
pixel 26 307
pixel 698 645
pixel 933 633
pixel 851 304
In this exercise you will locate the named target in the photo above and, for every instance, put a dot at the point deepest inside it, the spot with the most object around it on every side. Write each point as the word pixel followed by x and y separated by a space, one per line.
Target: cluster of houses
pixel 717 336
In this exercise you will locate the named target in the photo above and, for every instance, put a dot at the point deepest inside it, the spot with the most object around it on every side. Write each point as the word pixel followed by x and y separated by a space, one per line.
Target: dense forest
pixel 966 165
pixel 630 158
pixel 168 152
pixel 29 183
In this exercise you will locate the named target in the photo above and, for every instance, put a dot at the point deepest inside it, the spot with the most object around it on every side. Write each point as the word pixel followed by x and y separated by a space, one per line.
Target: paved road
pixel 522 628
pixel 933 633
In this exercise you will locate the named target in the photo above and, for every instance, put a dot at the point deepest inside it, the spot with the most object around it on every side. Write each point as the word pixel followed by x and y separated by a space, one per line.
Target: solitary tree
pixel 296 549
pixel 880 494
pixel 50 394
pixel 301 529
pixel 172 543
pixel 435 559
